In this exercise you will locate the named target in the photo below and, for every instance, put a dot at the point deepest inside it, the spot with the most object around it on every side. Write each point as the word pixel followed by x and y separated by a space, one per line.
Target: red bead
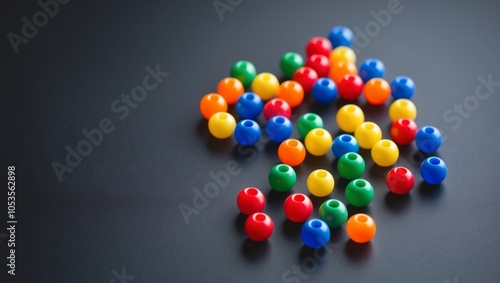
pixel 350 87
pixel 251 200
pixel 319 63
pixel 298 207
pixel 403 131
pixel 259 227
pixel 277 107
pixel 400 180
pixel 306 77
pixel 318 45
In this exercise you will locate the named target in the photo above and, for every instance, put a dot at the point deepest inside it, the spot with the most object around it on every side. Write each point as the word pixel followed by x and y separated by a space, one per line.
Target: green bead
pixel 333 212
pixel 244 71
pixel 307 122
pixel 290 62
pixel 359 193
pixel 351 166
pixel 282 177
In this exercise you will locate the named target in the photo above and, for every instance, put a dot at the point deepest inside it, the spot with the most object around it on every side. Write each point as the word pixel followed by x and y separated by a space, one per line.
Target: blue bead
pixel 433 170
pixel 341 36
pixel 371 68
pixel 402 87
pixel 249 105
pixel 343 144
pixel 324 90
pixel 247 132
pixel 315 233
pixel 279 128
pixel 428 139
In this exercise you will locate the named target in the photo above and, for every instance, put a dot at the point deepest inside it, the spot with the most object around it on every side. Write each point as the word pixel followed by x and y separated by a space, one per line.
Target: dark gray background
pixel 119 208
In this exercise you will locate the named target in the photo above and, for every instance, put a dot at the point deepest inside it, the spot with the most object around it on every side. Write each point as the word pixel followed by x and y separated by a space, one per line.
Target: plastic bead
pixel 359 193
pixel 341 36
pixel 371 68
pixel 291 92
pixel 244 71
pixel 351 166
pixel 292 152
pixel 290 62
pixel 428 139
pixel 230 89
pixel 377 91
pixel 249 105
pixel 385 153
pixel 367 134
pixel 308 122
pixel 343 53
pixel 433 170
pixel 339 69
pixel 403 131
pixel 349 117
pixel 212 103
pixel 221 125
pixel 279 128
pixel 282 178
pixel 298 207
pixel 259 227
pixel 277 107
pixel 333 212
pixel 251 200
pixel 344 144
pixel 318 142
pixel 315 233
pixel 361 228
pixel 306 77
pixel 324 91
pixel 318 45
pixel 400 180
pixel 320 183
pixel 265 85
pixel 350 87
pixel 319 63
pixel 247 132
pixel 402 108
pixel 402 87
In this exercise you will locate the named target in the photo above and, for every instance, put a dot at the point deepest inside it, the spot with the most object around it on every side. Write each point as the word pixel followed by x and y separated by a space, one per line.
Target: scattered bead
pixel 324 90
pixel 315 233
pixel 306 77
pixel 308 122
pixel 320 183
pixel 377 91
pixel 371 68
pixel 291 92
pixel 349 117
pixel 279 128
pixel 344 144
pixel 230 89
pixel 433 170
pixel 250 200
pixel 265 85
pixel 244 71
pixel 318 142
pixel 247 132
pixel 402 108
pixel 212 103
pixel 367 134
pixel 350 87
pixel 351 166
pixel 402 87
pixel 298 207
pixel 403 131
pixel 249 105
pixel 259 227
pixel 290 62
pixel 361 228
pixel 385 153
pixel 333 212
pixel 277 107
pixel 292 152
pixel 428 139
pixel 221 125
pixel 400 180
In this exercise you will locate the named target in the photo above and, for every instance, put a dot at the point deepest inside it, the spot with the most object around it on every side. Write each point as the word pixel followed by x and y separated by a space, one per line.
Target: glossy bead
pixel 350 87
pixel 341 36
pixel 400 180
pixel 349 117
pixel 315 233
pixel 250 200
pixel 282 178
pixel 259 227
pixel 343 53
pixel 385 153
pixel 351 166
pixel 361 228
pixel 291 92
pixel 247 132
pixel 230 89
pixel 324 90
pixel 403 131
pixel 319 63
pixel 249 105
pixel 221 125
pixel 290 62
pixel 244 71
pixel 318 45
pixel 428 139
pixel 318 142
pixel 333 212
pixel 320 183
pixel 343 144
pixel 298 207
pixel 212 103
pixel 308 122
pixel 265 85
pixel 292 152
pixel 339 69
pixel 371 68
pixel 367 134
pixel 359 193
pixel 377 91
pixel 402 108
pixel 433 170
pixel 277 107
pixel 279 128
pixel 306 77
pixel 402 87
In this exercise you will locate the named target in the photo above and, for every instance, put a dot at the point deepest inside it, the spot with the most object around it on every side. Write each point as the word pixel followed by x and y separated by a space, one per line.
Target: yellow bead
pixel 221 125
pixel 342 53
pixel 402 108
pixel 266 85
pixel 385 153
pixel 349 117
pixel 367 134
pixel 318 142
pixel 320 183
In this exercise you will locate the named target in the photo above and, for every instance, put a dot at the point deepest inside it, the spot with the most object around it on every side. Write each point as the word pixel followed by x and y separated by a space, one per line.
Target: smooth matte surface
pixel 119 208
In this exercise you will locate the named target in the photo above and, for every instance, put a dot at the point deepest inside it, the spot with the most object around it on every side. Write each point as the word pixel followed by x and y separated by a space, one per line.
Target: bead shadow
pixel 291 229
pixel 351 210
pixel 430 192
pixel 397 203
pixel 242 153
pixel 358 253
pixel 375 112
pixel 316 162
pixel 376 172
pixel 275 198
pixel 255 251
pixel 239 223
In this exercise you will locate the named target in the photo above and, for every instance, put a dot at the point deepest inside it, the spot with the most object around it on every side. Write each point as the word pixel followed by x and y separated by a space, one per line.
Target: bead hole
pixel 334 204
pixel 292 143
pixel 280 120
pixel 325 82
pixel 252 192
pixel 250 97
pixel 319 133
pixel 362 218
pixel 351 109
pixel 403 104
pixel 405 122
pixel 429 130
pixel 223 116
pixel 260 217
pixel 345 138
pixel 316 224
pixel 434 161
pixel 403 81
pixel 352 156
pixel 278 103
pixel 372 64
pixel 360 183
pixel 248 123
pixel 401 171
pixel 321 174
pixel 369 126
pixel 213 97
pixel 283 168
pixel 298 198
pixel 386 143
pixel 311 117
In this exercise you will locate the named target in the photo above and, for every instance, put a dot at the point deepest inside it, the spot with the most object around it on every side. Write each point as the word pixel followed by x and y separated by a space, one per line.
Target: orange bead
pixel 230 89
pixel 291 92
pixel 212 103
pixel 377 91
pixel 292 152
pixel 361 228
pixel 341 68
